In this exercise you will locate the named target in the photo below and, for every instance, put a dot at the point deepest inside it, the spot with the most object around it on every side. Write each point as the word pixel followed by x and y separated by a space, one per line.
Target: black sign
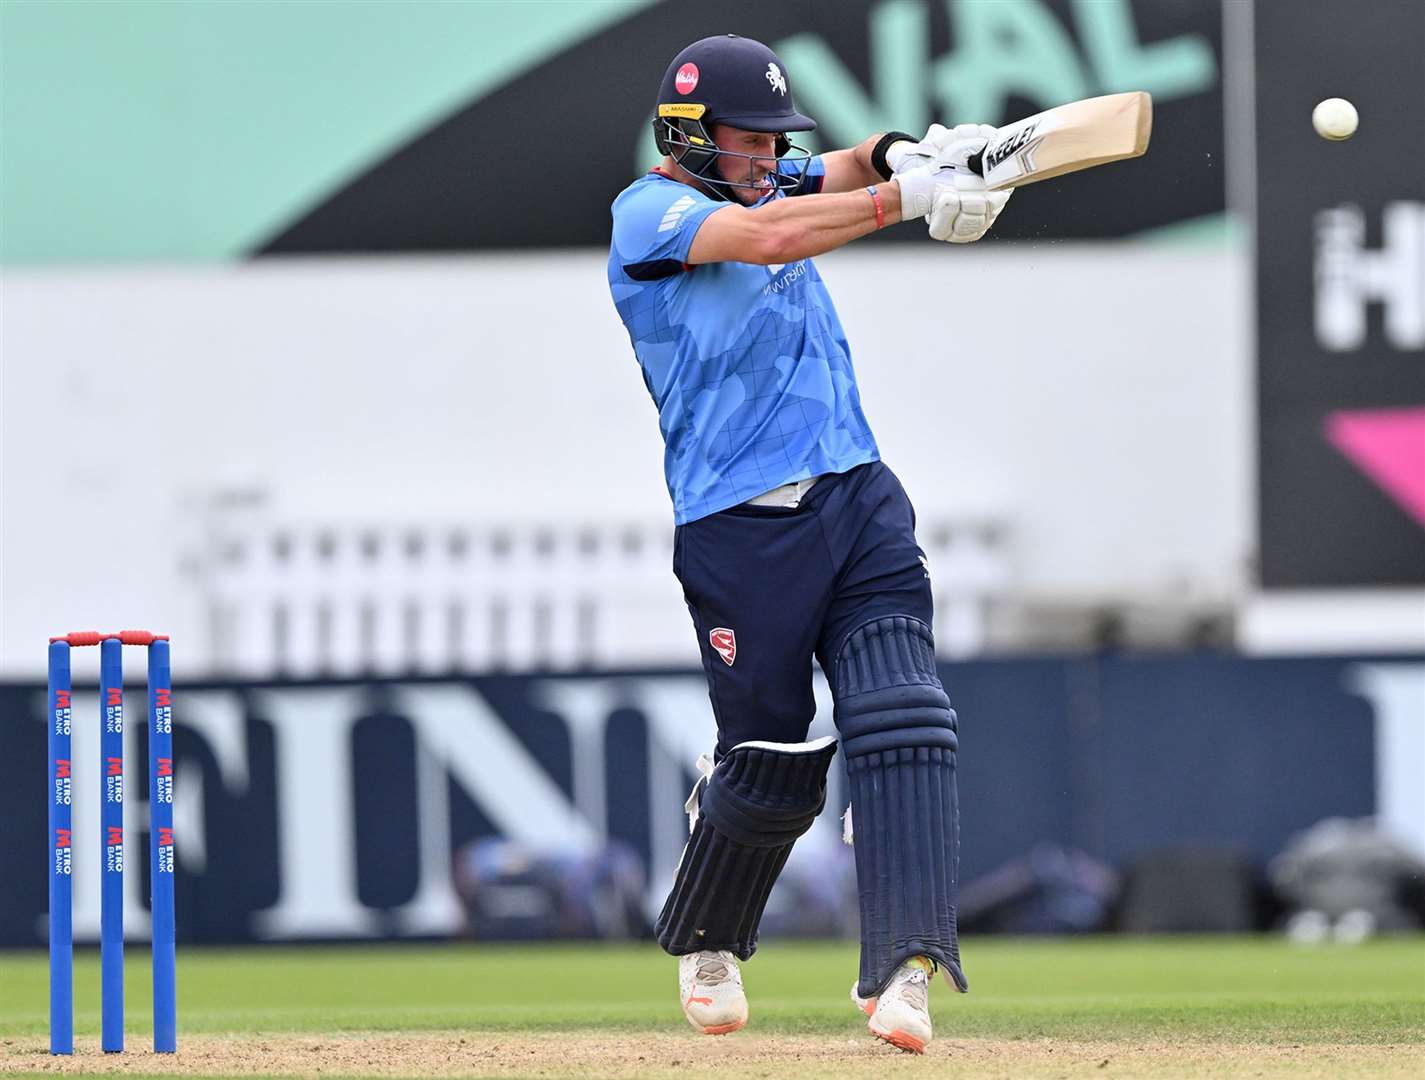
pixel 1341 295
pixel 537 163
pixel 357 810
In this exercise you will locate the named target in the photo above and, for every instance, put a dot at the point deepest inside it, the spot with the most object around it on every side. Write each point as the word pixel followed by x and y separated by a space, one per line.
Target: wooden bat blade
pixel 1068 138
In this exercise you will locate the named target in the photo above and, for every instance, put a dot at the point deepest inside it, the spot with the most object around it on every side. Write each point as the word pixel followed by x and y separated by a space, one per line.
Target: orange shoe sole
pixel 901 1040
pixel 724 1029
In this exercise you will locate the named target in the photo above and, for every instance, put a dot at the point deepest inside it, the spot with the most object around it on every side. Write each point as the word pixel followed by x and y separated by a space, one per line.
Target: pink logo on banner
pixel 1388 445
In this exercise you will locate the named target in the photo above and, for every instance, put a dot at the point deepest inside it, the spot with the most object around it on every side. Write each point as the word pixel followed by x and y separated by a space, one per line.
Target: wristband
pixel 884 143
pixel 880 206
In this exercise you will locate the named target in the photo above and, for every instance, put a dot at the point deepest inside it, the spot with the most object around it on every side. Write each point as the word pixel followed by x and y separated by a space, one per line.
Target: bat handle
pixel 976 163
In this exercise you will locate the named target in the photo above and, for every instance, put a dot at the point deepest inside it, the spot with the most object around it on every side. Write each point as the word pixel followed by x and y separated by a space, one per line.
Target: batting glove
pixel 963 211
pixel 955 146
pixel 939 145
pixel 936 182
pixel 965 214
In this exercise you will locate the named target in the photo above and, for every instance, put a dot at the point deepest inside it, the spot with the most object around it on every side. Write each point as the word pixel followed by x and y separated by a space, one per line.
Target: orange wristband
pixel 880 206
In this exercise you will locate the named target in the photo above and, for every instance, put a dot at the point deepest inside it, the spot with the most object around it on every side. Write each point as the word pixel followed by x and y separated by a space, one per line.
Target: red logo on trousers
pixel 725 642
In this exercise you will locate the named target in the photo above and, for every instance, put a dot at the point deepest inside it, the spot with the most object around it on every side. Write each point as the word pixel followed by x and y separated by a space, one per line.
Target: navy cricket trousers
pixel 769 588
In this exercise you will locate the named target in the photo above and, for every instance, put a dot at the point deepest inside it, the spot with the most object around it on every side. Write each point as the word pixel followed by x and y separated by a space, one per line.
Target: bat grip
pixel 976 163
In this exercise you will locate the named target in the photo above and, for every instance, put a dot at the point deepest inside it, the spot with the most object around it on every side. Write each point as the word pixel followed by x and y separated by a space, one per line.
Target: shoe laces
pixel 715 968
pixel 912 985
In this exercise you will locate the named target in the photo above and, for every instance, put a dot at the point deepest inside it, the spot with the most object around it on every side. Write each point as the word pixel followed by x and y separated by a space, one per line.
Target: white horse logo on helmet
pixel 777 79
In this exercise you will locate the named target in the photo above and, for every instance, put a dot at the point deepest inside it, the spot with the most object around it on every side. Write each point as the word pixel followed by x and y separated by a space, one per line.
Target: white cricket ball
pixel 1334 119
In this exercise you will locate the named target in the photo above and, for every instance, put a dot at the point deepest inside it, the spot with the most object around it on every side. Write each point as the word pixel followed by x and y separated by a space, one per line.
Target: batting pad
pixel 898 735
pixel 758 799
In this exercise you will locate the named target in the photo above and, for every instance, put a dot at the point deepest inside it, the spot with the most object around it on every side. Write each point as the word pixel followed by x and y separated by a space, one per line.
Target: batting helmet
pixel 727 80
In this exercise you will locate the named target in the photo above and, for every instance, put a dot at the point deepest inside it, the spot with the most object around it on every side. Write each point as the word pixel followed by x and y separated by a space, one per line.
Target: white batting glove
pixel 936 182
pixel 956 145
pixel 939 145
pixel 958 204
pixel 919 185
pixel 963 211
pixel 903 155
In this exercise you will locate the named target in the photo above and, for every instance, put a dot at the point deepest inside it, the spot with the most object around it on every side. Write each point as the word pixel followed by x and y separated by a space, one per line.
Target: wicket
pixel 111 824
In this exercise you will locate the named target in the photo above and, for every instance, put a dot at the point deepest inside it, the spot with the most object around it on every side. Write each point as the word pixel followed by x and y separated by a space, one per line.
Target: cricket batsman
pixel 793 540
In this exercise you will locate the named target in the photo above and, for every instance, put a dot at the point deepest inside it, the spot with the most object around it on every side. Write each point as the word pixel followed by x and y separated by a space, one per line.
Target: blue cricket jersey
pixel 748 365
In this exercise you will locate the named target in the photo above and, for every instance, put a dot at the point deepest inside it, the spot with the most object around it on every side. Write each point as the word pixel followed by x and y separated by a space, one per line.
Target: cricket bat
pixel 1066 139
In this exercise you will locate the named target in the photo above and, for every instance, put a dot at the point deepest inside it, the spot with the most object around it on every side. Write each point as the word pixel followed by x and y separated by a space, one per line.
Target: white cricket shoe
pixel 901 1014
pixel 710 988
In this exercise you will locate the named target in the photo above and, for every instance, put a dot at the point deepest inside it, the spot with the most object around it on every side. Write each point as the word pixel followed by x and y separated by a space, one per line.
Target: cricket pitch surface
pixel 1126 1007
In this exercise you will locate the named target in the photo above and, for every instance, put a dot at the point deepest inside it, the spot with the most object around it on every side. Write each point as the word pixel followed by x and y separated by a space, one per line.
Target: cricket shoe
pixel 900 1014
pixel 710 988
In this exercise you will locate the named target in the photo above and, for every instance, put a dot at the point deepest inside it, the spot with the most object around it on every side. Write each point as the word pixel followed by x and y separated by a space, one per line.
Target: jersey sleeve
pixel 654 226
pixel 811 181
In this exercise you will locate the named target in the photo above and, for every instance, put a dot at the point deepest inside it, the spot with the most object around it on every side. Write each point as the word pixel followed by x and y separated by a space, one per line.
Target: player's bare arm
pixel 790 229
pixel 852 168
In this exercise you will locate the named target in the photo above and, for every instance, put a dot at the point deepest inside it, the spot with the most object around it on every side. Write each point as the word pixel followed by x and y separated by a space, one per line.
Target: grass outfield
pixel 1153 1005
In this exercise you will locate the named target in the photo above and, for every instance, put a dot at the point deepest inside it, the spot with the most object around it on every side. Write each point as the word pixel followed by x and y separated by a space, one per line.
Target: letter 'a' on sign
pixel 1066 139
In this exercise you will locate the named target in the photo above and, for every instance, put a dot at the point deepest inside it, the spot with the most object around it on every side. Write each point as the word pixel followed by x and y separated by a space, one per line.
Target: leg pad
pixel 758 800
pixel 899 737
